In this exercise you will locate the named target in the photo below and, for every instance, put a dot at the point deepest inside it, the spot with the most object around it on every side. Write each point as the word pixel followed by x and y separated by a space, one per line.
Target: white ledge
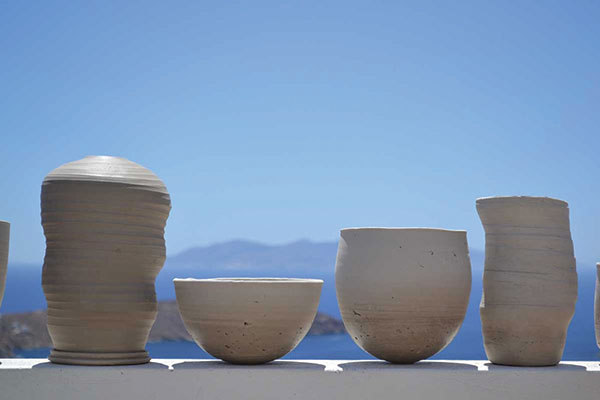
pixel 170 379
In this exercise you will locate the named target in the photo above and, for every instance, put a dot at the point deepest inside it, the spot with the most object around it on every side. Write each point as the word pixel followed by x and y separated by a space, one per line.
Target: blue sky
pixel 276 121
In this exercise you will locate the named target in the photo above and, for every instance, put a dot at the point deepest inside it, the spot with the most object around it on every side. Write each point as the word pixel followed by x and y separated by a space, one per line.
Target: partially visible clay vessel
pixel 248 320
pixel 4 239
pixel 597 305
pixel 403 292
pixel 104 220
pixel 529 281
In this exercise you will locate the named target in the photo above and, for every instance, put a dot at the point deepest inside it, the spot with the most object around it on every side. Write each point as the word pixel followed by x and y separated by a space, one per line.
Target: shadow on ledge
pixel 561 367
pixel 218 364
pixel 421 365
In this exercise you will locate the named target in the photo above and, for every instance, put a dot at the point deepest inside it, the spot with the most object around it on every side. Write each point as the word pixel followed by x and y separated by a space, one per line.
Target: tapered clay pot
pixel 597 305
pixel 403 292
pixel 104 220
pixel 248 320
pixel 4 240
pixel 529 281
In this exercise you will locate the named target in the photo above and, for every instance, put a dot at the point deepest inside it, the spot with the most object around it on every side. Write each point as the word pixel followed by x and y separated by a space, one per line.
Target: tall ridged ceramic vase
pixel 597 305
pixel 529 281
pixel 4 239
pixel 104 220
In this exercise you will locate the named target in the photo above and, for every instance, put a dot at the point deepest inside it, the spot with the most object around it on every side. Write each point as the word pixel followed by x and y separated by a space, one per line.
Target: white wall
pixel 29 379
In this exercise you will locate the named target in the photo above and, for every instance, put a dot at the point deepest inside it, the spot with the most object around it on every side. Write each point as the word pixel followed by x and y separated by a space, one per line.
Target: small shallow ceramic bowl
pixel 248 320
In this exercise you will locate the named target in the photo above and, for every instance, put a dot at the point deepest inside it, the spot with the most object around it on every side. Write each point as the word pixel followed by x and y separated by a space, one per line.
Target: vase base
pixel 84 358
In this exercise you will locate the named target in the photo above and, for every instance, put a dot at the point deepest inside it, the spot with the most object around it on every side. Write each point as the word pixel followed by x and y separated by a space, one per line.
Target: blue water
pixel 333 347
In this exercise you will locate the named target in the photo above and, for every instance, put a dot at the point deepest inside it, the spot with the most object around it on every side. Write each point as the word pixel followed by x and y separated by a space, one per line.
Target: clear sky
pixel 276 121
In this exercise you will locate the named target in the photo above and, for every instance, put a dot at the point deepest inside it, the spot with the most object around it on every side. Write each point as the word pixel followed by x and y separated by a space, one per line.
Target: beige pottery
pixel 104 220
pixel 529 281
pixel 248 320
pixel 597 305
pixel 403 292
pixel 4 240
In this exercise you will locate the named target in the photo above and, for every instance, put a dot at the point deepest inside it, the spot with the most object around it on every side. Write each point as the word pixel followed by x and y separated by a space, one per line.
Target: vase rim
pixel 4 222
pixel 242 280
pixel 532 199
pixel 402 229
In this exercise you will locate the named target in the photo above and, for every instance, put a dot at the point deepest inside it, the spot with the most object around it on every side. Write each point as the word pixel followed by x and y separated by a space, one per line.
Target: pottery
pixel 248 320
pixel 597 305
pixel 529 280
pixel 402 292
pixel 4 240
pixel 104 220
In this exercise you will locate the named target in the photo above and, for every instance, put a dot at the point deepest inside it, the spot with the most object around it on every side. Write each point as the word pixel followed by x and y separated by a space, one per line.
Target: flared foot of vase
pixel 516 364
pixel 77 358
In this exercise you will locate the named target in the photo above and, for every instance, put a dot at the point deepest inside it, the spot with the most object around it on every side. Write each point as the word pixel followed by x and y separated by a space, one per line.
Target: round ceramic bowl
pixel 248 320
pixel 403 292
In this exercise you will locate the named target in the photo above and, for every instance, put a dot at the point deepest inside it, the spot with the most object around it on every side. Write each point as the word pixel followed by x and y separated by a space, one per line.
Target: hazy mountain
pixel 238 255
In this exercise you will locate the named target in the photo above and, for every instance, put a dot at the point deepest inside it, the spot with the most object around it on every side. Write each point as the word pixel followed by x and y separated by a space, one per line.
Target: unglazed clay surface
pixel 402 292
pixel 529 281
pixel 248 320
pixel 104 220
pixel 597 305
pixel 4 241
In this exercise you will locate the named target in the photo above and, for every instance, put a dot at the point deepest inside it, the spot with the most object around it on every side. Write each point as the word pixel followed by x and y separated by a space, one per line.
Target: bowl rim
pixel 248 280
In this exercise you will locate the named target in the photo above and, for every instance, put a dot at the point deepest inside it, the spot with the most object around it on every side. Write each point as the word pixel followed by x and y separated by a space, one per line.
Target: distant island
pixel 28 330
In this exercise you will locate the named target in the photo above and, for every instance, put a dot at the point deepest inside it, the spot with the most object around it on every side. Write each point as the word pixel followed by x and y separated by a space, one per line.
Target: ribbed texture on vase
pixel 104 219
pixel 4 241
pixel 529 282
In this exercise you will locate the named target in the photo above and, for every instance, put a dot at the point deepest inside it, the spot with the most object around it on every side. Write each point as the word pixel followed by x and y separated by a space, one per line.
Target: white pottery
pixel 597 305
pixel 403 292
pixel 529 281
pixel 104 220
pixel 248 320
pixel 4 240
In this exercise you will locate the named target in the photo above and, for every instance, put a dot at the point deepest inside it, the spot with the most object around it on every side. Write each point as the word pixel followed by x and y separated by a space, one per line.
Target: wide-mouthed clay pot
pixel 104 220
pixel 597 305
pixel 248 320
pixel 4 239
pixel 529 280
pixel 403 292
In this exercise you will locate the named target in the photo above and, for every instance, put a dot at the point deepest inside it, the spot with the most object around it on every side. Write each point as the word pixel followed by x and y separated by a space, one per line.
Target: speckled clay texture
pixel 403 292
pixel 248 320
pixel 597 305
pixel 529 282
pixel 104 220
pixel 4 240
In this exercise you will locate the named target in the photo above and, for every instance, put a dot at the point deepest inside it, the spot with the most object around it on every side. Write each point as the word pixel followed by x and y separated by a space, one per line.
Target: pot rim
pixel 549 200
pixel 242 280
pixel 407 229
pixel 4 222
